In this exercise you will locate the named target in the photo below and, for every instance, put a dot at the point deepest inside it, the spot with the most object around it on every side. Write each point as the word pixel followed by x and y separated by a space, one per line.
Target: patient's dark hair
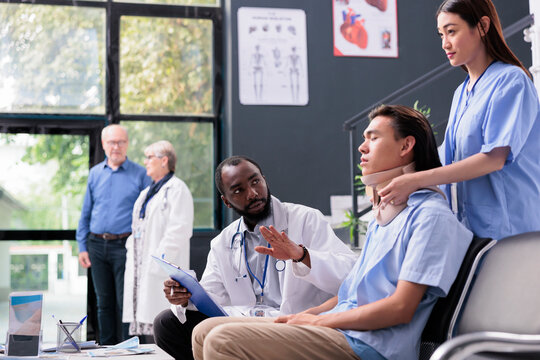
pixel 409 122
pixel 231 161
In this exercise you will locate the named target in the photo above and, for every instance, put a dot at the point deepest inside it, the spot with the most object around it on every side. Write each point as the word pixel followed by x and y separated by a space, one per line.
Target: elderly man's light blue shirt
pixel 501 110
pixel 108 202
pixel 424 244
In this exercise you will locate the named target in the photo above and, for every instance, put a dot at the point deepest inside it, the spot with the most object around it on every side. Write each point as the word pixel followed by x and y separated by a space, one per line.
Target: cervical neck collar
pixel 377 181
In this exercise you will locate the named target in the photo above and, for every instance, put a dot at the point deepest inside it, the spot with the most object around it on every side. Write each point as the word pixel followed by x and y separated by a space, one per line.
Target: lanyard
pixel 252 274
pixel 263 282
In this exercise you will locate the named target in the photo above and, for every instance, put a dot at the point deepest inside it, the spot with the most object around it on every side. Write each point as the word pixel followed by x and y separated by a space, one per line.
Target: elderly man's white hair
pixel 108 128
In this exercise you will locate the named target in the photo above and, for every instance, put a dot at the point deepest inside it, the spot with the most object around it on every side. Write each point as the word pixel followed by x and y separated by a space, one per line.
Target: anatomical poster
pixel 272 56
pixel 365 28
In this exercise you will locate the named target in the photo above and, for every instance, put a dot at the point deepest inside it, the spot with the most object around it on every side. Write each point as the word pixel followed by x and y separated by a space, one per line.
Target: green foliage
pixel 71 153
pixel 29 272
pixel 353 223
pixel 165 65
pixel 425 110
pixel 52 58
pixel 55 182
pixel 193 143
pixel 360 187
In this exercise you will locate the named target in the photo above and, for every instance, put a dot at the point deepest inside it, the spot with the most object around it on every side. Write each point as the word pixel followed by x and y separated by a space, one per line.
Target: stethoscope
pixel 238 242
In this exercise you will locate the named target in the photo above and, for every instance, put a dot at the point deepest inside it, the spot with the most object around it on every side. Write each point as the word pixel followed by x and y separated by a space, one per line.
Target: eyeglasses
pixel 150 157
pixel 120 143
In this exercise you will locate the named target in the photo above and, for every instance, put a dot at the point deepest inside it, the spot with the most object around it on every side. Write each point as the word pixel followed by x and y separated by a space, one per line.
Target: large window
pixel 44 180
pixel 194 149
pixel 52 59
pixel 67 69
pixel 165 66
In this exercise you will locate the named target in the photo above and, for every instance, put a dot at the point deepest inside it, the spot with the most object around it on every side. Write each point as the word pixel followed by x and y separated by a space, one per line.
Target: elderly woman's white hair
pixel 163 148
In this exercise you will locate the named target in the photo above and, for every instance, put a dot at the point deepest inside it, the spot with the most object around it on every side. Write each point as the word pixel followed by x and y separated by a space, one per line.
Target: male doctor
pixel 278 258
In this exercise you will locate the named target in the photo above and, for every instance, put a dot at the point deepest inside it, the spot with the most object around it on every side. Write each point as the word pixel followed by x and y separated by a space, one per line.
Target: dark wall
pixel 302 149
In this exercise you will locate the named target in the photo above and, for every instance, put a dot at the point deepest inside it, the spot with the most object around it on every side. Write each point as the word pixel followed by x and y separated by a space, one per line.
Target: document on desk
pixel 199 296
pixel 25 313
pixel 127 347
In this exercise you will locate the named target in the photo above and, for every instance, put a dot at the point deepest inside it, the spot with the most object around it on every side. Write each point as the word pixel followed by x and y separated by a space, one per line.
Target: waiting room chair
pixel 499 317
pixel 441 319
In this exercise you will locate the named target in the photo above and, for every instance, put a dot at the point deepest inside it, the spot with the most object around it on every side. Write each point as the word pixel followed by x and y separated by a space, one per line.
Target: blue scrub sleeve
pixel 510 115
pixel 435 252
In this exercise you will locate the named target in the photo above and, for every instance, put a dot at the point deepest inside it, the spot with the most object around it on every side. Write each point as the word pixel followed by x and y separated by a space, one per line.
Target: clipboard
pixel 199 296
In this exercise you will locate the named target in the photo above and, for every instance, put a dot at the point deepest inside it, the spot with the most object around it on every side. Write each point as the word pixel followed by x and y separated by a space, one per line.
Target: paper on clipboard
pixel 199 296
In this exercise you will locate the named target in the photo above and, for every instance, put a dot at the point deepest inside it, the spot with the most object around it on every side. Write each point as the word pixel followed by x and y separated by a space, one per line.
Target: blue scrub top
pixel 424 244
pixel 501 110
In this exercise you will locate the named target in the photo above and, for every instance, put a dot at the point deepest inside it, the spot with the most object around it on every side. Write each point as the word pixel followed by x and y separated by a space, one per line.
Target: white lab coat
pixel 301 287
pixel 166 229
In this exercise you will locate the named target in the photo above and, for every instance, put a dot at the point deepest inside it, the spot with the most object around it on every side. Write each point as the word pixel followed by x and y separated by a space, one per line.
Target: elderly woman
pixel 162 225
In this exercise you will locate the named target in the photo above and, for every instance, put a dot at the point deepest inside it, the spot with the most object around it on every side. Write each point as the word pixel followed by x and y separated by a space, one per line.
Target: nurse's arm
pixel 472 167
pixel 398 308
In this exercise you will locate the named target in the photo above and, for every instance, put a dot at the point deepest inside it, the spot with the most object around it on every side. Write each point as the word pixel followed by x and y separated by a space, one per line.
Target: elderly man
pixel 412 254
pixel 105 224
pixel 278 258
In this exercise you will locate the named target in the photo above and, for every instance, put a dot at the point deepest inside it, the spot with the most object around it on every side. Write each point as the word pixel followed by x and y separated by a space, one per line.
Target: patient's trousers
pixel 221 338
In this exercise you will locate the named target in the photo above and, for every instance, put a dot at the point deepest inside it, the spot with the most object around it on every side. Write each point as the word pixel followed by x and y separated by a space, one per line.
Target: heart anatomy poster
pixel 272 56
pixel 365 28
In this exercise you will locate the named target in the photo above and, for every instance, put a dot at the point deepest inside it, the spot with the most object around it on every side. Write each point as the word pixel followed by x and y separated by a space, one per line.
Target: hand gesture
pixel 282 247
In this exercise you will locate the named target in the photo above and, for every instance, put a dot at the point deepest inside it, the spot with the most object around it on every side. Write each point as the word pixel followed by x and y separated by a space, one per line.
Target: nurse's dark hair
pixel 231 161
pixel 471 11
pixel 408 122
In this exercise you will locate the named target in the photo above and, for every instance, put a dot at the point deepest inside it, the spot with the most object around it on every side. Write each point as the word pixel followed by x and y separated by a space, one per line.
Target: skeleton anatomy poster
pixel 272 56
pixel 365 28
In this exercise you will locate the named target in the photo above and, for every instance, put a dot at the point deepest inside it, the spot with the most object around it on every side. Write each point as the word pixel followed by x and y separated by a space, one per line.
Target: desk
pixel 158 354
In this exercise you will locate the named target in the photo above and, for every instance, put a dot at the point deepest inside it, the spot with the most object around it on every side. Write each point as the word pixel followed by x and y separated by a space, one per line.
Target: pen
pixel 80 324
pixel 172 290
pixel 68 335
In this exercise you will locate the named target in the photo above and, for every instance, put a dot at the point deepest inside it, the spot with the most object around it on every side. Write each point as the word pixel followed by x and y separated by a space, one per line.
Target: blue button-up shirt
pixel 109 199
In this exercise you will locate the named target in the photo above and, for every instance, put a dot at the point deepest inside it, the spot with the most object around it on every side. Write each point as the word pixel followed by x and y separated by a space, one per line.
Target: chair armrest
pixel 466 345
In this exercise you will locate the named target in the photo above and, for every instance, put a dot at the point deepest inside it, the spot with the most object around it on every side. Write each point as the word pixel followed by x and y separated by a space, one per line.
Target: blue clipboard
pixel 199 296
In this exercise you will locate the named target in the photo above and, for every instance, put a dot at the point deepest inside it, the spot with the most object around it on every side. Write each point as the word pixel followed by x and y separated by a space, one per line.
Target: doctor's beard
pixel 255 218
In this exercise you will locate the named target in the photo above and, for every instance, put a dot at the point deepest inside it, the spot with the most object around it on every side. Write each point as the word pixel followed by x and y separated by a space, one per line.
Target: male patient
pixel 412 255
pixel 278 258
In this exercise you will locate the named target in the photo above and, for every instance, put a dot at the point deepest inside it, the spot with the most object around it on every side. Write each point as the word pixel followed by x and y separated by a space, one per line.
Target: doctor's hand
pixel 398 190
pixel 282 247
pixel 176 293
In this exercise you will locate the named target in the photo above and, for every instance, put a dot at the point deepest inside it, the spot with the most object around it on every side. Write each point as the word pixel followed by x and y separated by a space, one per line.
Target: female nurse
pixel 492 142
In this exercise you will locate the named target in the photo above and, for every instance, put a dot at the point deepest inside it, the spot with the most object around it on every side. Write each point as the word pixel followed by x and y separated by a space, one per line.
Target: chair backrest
pixel 437 328
pixel 505 294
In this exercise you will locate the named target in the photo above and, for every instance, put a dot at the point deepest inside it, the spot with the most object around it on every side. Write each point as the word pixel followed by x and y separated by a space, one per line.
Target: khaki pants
pixel 261 338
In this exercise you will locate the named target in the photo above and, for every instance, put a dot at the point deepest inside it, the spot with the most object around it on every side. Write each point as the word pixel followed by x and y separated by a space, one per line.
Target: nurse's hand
pixel 176 293
pixel 398 190
pixel 282 247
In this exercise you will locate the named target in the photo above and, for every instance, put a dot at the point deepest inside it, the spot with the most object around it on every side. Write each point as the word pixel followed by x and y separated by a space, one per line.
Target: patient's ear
pixel 407 145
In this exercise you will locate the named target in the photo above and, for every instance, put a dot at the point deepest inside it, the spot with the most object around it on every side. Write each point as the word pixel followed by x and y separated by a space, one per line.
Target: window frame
pixel 91 125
